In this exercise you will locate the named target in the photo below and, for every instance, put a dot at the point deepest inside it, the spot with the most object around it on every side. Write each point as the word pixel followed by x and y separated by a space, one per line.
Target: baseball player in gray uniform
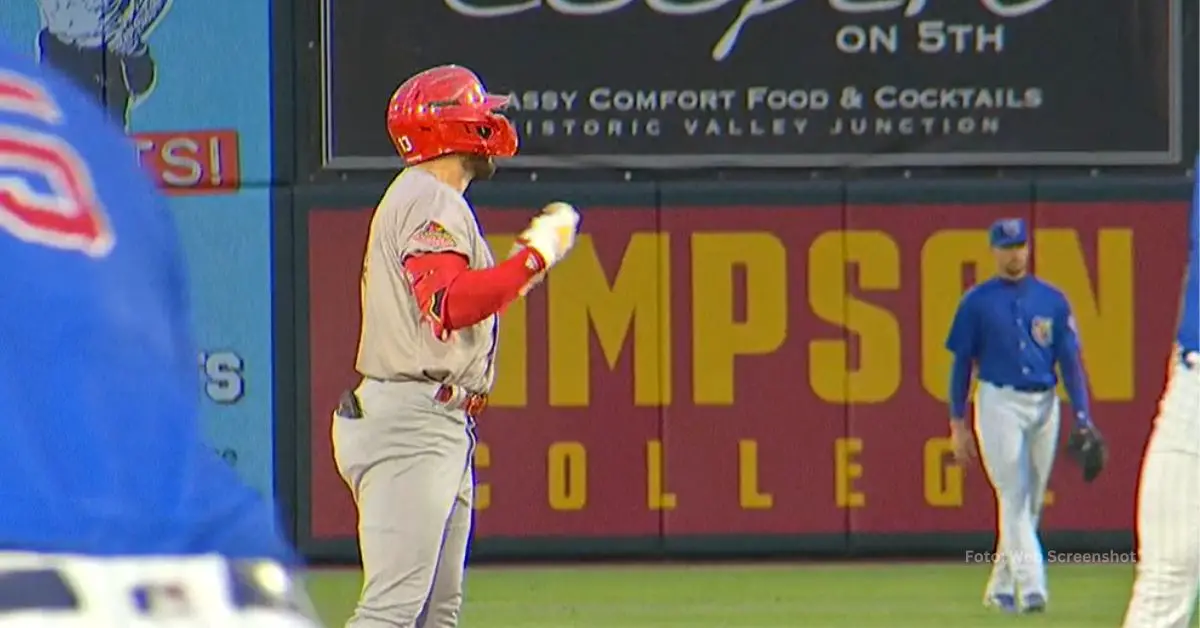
pixel 431 296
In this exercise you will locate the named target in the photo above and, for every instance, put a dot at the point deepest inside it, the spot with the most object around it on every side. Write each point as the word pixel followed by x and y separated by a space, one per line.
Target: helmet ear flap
pixel 415 143
pixel 499 136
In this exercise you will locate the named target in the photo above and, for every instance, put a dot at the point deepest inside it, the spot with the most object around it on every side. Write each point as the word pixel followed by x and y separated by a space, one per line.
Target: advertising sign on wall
pixel 773 369
pixel 190 81
pixel 225 240
pixel 673 84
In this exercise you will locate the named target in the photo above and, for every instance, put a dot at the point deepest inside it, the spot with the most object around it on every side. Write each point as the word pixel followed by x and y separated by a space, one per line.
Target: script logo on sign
pixel 777 83
pixel 750 10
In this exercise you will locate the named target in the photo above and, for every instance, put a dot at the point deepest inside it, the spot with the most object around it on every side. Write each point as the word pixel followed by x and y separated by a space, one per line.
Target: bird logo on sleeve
pixel 1042 330
pixel 433 235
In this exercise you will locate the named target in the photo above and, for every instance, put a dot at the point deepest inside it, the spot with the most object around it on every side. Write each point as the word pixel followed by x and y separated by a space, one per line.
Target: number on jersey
pixel 46 192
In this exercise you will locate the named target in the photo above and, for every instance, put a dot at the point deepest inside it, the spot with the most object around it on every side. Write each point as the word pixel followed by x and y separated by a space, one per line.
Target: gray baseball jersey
pixel 420 214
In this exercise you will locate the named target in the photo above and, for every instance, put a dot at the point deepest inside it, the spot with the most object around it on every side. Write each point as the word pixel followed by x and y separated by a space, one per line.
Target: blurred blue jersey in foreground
pixel 1188 334
pixel 100 447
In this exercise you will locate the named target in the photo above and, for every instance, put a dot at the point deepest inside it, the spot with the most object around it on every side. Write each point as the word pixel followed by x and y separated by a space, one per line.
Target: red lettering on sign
pixel 192 162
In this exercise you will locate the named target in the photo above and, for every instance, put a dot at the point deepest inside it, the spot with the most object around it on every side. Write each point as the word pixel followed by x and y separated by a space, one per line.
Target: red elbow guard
pixel 452 297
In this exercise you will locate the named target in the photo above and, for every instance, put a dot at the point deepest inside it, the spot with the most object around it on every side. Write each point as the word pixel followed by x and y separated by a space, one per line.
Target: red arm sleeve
pixel 453 297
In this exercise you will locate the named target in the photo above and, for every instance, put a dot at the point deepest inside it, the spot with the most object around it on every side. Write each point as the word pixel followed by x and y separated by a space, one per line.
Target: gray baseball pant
pixel 407 462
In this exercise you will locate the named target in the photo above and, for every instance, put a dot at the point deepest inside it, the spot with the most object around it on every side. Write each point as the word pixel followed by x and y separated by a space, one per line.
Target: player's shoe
pixel 1002 601
pixel 1034 603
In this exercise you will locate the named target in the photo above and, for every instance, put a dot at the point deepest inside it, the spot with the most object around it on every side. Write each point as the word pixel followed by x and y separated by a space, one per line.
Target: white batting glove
pixel 551 233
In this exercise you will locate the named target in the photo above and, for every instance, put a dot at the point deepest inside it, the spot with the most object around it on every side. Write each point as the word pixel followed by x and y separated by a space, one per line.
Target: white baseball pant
pixel 1018 434
pixel 1168 510
pixel 63 591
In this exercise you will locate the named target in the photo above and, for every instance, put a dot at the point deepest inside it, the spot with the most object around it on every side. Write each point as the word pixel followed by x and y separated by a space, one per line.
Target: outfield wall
pixel 720 367
pixel 752 368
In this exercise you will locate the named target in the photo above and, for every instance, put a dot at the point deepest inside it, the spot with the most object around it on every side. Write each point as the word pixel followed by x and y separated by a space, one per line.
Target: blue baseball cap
pixel 1008 232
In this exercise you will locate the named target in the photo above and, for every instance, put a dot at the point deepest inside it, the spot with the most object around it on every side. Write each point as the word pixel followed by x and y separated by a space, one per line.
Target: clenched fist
pixel 550 233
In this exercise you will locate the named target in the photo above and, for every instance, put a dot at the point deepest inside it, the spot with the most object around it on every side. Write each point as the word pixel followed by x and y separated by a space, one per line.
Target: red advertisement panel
pixel 750 445
pixel 739 370
pixel 336 246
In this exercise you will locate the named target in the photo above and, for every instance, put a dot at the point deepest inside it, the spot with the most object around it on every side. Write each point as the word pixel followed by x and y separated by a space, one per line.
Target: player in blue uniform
pixel 111 507
pixel 1012 330
pixel 1168 512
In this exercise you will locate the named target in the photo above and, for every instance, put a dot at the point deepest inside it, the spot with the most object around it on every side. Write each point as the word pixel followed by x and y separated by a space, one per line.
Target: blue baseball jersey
pixel 101 450
pixel 1188 334
pixel 1015 333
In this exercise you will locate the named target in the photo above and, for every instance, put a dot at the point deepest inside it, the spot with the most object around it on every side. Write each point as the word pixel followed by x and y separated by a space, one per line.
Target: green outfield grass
pixel 770 596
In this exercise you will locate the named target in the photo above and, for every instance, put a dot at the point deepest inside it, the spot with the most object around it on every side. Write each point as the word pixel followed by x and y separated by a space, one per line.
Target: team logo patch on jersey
pixel 1042 330
pixel 433 235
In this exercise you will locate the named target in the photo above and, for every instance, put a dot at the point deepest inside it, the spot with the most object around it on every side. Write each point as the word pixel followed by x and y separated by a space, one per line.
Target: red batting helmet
pixel 445 110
